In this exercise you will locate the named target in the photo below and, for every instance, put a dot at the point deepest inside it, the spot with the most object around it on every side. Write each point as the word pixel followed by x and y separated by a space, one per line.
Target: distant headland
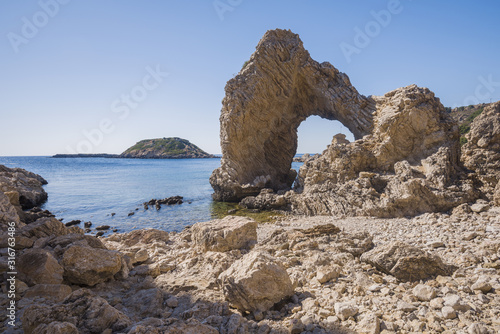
pixel 161 148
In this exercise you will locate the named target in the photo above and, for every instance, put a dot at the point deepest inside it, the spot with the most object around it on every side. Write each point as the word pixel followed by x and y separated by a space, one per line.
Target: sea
pixel 106 191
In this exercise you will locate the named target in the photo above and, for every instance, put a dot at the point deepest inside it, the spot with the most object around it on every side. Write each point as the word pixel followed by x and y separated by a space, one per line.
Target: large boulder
pixel 88 312
pixel 256 282
pixel 225 234
pixel 90 266
pixel 27 184
pixel 405 262
pixel 38 266
pixel 405 160
pixel 481 153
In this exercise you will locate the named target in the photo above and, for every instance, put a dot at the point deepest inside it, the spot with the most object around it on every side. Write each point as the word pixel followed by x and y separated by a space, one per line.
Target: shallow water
pixel 90 189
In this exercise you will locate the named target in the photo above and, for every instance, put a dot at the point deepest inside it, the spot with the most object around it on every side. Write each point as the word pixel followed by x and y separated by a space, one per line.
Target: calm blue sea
pixel 90 189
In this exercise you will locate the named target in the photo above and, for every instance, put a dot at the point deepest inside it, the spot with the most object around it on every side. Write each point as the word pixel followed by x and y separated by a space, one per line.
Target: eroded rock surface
pixel 225 234
pixel 256 282
pixel 405 160
pixel 481 153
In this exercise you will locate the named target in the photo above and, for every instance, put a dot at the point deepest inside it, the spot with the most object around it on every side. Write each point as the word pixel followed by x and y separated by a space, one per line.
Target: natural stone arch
pixel 264 105
pixel 404 161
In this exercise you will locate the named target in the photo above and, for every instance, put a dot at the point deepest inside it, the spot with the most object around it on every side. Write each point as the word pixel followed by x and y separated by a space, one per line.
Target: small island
pixel 160 148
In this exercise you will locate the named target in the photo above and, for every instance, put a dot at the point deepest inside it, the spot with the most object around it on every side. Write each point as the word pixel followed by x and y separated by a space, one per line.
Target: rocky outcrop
pixel 481 153
pixel 256 282
pixel 22 187
pixel 225 234
pixel 165 148
pixel 405 160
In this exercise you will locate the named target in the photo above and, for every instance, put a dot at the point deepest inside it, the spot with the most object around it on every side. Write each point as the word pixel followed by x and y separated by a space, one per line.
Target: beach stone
pixel 405 262
pixel 369 324
pixel 326 274
pixel 225 234
pixel 90 266
pixel 172 302
pixel 477 328
pixel 405 307
pixel 448 312
pixel 38 266
pixel 482 284
pixel 255 282
pixel 141 255
pixel 424 293
pixel 345 310
pixel 480 207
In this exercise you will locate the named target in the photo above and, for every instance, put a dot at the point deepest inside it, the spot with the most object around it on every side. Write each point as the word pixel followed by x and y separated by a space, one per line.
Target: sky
pixel 98 76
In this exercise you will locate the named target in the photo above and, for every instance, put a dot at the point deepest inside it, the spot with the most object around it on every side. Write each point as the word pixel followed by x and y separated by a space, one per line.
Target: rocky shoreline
pixel 432 273
pixel 403 237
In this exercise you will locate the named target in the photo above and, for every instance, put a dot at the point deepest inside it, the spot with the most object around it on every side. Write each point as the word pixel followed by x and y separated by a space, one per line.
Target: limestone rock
pixel 38 266
pixel 405 262
pixel 424 293
pixel 256 282
pixel 8 212
pixel 90 266
pixel 27 184
pixel 225 234
pixel 345 310
pixel 405 160
pixel 481 153
pixel 44 227
pixel 90 314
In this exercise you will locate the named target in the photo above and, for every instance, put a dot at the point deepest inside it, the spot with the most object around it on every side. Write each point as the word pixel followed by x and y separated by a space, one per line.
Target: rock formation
pixel 405 159
pixel 481 153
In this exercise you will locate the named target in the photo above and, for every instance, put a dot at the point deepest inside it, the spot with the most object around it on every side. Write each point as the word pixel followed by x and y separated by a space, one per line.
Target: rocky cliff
pixel 165 148
pixel 481 153
pixel 405 160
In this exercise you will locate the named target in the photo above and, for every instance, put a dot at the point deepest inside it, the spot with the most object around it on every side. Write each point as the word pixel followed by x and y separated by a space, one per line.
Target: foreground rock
pixel 256 282
pixel 405 262
pixel 405 160
pixel 225 234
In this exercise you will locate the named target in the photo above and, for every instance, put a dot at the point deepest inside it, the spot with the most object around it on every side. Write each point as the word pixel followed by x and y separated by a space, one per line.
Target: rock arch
pixel 264 105
pixel 404 161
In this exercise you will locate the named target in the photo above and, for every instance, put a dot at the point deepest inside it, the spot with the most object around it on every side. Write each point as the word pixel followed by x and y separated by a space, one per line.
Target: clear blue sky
pixel 69 75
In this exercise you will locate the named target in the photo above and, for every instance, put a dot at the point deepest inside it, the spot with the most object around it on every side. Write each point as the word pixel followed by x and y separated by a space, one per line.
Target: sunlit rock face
pixel 405 159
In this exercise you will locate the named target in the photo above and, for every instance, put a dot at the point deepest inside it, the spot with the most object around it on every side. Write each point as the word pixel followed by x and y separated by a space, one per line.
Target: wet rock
pixel 73 222
pixel 102 228
pixel 256 282
pixel 87 224
pixel 225 234
pixel 90 266
pixel 405 262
